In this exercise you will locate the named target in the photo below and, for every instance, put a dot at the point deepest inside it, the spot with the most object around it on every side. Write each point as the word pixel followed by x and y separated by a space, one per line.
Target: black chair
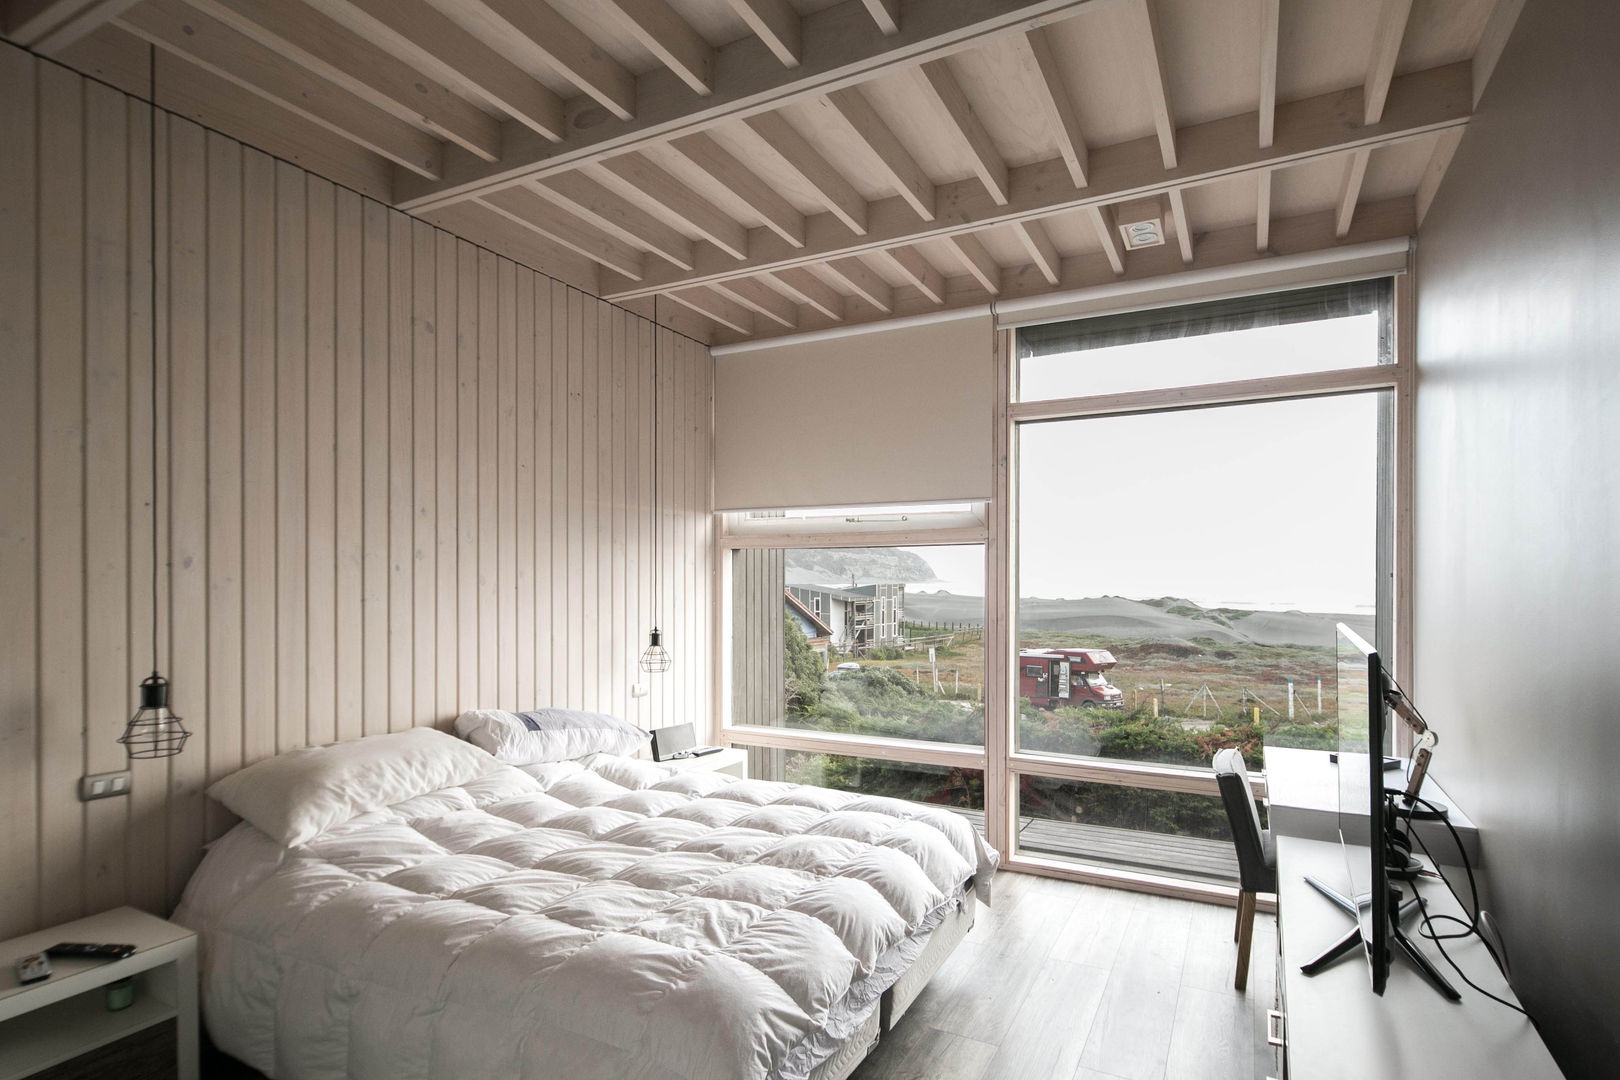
pixel 1256 853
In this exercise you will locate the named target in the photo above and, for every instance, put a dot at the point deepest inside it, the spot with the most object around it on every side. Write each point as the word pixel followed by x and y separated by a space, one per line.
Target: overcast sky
pixel 1266 506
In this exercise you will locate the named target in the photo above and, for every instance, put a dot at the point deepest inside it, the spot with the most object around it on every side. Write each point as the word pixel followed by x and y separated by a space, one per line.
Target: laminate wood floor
pixel 1064 981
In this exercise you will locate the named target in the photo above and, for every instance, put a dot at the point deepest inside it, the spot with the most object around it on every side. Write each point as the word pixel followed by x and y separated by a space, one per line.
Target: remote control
pixel 702 750
pixel 33 968
pixel 79 950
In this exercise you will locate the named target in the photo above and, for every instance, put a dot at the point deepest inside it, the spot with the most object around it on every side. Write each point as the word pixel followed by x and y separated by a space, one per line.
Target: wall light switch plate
pixel 104 785
pixel 638 690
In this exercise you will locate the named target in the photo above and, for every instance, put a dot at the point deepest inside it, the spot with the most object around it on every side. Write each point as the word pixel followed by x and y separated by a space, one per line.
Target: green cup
pixel 120 994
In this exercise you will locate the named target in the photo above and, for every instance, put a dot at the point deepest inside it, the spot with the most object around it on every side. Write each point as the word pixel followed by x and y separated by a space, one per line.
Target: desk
pixel 1302 799
pixel 1336 1028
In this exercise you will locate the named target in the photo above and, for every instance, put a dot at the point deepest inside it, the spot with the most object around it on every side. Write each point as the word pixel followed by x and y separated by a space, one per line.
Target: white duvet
pixel 579 920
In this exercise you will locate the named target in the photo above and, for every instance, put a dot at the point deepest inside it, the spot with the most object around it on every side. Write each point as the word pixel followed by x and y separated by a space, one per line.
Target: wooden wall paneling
pixel 424 367
pixel 574 509
pixel 562 642
pixel 620 620
pixel 466 475
pixel 523 477
pixel 60 492
pixel 447 405
pixel 259 723
pixel 224 717
pixel 349 464
pixel 588 462
pixel 376 468
pixel 106 450
pixel 506 485
pixel 321 462
pixel 488 523
pixel 401 476
pixel 187 504
pixel 541 464
pixel 19 548
pixel 292 545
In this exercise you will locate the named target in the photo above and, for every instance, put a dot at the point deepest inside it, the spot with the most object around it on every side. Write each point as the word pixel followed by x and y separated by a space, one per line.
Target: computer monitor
pixel 1363 717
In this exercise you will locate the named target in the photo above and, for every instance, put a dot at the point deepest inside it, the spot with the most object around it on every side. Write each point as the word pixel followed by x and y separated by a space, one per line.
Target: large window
pixel 882 642
pixel 1200 495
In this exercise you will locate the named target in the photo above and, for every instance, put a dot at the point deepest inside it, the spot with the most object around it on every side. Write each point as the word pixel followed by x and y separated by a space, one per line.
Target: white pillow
pixel 294 797
pixel 549 734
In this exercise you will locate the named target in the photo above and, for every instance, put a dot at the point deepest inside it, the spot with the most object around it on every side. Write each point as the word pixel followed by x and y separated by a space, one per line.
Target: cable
pixel 1427 921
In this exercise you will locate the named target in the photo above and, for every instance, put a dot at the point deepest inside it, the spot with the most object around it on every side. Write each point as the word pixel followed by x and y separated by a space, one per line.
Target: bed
pixel 605 917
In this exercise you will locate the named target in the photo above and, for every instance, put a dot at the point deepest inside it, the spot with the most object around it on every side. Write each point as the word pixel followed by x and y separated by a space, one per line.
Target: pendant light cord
pixel 151 160
pixel 658 525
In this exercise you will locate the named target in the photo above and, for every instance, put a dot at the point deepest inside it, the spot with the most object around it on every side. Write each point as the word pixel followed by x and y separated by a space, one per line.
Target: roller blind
pixel 893 416
pixel 1210 317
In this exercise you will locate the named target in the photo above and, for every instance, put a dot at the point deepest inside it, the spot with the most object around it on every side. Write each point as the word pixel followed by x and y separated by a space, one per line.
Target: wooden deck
pixel 1163 853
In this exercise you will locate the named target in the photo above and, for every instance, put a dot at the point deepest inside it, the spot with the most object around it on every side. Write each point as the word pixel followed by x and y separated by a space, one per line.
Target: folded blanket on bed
pixel 596 919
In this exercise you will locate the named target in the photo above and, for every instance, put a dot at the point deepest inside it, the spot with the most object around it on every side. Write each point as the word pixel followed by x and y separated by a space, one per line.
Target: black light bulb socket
pixel 154 692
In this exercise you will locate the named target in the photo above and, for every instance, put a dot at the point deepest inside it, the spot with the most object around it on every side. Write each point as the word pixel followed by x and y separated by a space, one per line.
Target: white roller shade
pixel 899 415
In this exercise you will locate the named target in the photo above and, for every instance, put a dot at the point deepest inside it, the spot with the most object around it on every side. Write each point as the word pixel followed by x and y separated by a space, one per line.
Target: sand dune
pixel 1158 620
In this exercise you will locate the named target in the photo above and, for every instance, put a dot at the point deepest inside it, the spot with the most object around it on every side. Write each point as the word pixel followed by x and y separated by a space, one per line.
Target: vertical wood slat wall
pixel 399 476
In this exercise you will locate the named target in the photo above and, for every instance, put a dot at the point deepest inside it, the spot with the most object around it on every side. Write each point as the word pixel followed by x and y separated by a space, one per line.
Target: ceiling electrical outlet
pixel 104 785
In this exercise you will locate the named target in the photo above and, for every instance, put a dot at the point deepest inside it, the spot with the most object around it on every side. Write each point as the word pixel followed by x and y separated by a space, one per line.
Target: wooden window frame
pixel 998 759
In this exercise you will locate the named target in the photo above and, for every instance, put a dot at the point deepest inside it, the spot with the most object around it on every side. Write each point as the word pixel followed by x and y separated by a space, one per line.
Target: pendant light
pixel 154 731
pixel 655 658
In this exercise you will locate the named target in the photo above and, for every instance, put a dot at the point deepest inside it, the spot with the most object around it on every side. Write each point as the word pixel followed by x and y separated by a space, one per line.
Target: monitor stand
pixel 1353 940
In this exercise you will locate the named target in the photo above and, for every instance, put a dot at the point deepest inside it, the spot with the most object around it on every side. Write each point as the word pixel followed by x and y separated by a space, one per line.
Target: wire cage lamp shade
pixel 655 658
pixel 154 731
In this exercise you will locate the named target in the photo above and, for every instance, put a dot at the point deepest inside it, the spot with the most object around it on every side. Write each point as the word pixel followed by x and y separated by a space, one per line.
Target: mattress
pixel 593 919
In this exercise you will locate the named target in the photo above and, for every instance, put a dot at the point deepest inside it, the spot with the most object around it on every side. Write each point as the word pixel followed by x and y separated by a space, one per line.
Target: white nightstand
pixel 733 760
pixel 55 1021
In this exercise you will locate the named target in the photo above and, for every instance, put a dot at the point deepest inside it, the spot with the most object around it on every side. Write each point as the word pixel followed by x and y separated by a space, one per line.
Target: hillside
pixel 838 566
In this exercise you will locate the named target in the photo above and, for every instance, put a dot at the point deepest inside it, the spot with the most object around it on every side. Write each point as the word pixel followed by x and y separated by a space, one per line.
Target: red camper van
pixel 1057 678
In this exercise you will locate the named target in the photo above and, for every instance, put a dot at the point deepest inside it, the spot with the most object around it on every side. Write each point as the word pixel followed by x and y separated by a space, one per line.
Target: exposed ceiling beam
pixel 1420 103
pixel 779 215
pixel 751 294
pixel 525 207
pixel 1355 170
pixel 1222 247
pixel 1184 237
pixel 664 33
pixel 1262 210
pixel 1498 28
pixel 837 193
pixel 1145 23
pixel 563 45
pixel 864 280
pixel 777 24
pixel 942 86
pixel 886 13
pixel 1055 102
pixel 841 48
pixel 918 270
pixel 304 37
pixel 1037 242
pixel 618 215
pixel 722 309
pixel 1270 21
pixel 1102 220
pixel 895 161
pixel 428 39
pixel 49 26
pixel 713 224
pixel 985 270
pixel 1386 50
pixel 1445 145
pixel 801 285
pixel 210 44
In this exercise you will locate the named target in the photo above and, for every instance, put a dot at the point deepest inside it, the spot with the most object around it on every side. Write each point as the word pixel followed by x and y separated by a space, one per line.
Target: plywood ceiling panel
pixel 1213 57
pixel 1223 204
pixel 1396 170
pixel 1305 189
pixel 1323 45
pixel 1442 32
pixel 1103 58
